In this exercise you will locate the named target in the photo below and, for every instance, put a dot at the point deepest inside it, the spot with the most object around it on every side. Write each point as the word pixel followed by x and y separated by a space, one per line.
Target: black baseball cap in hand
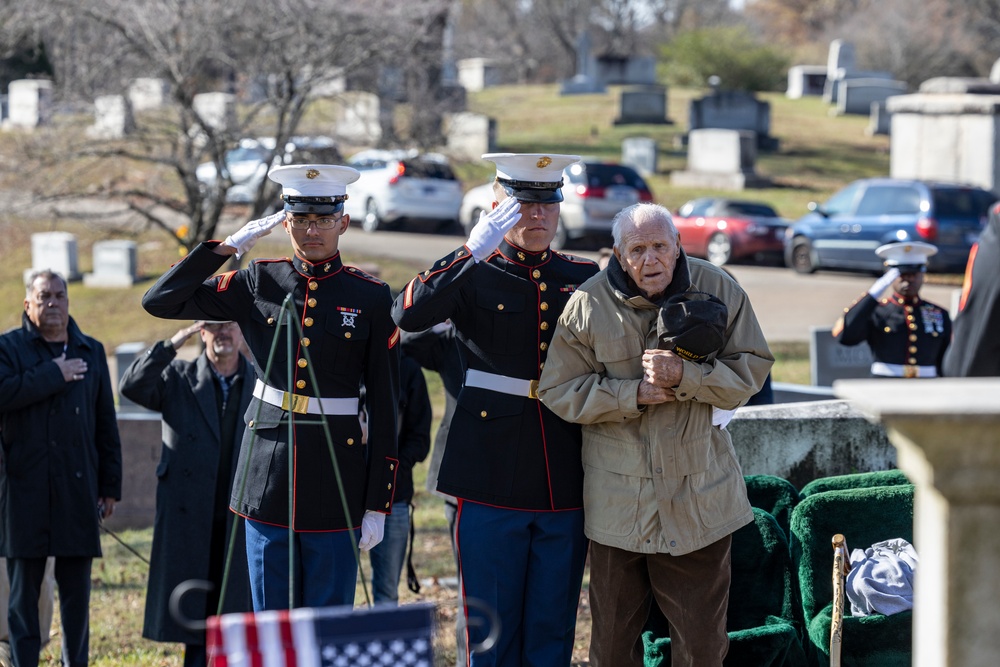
pixel 692 325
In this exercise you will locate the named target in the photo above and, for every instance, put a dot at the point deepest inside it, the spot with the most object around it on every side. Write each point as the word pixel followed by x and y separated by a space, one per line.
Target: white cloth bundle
pixel 881 578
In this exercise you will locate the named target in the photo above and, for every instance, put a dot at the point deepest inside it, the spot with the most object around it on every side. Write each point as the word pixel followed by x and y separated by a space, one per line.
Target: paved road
pixel 787 304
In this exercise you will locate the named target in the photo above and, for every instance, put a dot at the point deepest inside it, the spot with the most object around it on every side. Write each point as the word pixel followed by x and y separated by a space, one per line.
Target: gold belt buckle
pixel 910 371
pixel 532 388
pixel 299 404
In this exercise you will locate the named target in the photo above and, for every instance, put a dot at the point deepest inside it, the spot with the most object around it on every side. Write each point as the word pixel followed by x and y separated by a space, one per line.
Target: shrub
pixel 733 54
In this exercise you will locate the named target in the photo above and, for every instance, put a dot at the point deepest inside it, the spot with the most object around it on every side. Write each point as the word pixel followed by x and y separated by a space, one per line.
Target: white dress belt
pixel 305 405
pixel 903 370
pixel 501 383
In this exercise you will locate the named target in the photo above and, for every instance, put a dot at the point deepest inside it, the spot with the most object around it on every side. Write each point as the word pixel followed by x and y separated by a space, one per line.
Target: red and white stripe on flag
pixel 325 637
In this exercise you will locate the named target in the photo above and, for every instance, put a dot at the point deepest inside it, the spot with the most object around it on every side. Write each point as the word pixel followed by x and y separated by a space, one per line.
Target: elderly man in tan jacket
pixel 663 490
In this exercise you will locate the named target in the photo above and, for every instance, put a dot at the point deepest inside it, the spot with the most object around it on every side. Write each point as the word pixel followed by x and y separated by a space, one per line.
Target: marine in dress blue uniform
pixel 512 464
pixel 347 337
pixel 907 335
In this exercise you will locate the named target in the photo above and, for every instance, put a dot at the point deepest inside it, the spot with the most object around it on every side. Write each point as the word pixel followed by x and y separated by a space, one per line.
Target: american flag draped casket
pixel 324 637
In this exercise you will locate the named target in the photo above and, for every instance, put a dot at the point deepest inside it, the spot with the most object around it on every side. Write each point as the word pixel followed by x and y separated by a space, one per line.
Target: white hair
pixel 638 213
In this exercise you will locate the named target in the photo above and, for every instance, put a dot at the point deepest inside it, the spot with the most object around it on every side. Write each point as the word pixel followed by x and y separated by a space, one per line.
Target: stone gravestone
pixel 879 120
pixel 995 71
pixel 469 135
pixel 113 117
pixel 125 354
pixel 147 93
pixel 949 131
pixel 733 110
pixel 640 153
pixel 585 81
pixel 805 80
pixel 720 160
pixel 829 360
pixel 359 119
pixel 839 56
pixel 475 74
pixel 626 70
pixel 217 110
pixel 643 105
pixel 56 251
pixel 29 103
pixel 114 264
pixel 855 96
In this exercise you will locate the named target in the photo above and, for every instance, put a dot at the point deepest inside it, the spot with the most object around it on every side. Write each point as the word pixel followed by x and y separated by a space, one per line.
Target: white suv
pixel 402 185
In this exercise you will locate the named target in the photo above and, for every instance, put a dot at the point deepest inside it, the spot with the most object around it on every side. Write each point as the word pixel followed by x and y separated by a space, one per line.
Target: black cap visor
pixel 533 192
pixel 910 268
pixel 316 205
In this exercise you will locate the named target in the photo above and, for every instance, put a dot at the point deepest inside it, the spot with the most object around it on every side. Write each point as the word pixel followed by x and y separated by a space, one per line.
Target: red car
pixel 730 230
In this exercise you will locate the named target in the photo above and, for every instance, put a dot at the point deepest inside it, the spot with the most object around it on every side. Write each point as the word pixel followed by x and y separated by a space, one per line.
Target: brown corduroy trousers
pixel 691 590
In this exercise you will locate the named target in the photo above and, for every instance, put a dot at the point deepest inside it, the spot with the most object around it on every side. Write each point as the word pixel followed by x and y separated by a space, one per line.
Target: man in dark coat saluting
pixel 62 465
pixel 202 402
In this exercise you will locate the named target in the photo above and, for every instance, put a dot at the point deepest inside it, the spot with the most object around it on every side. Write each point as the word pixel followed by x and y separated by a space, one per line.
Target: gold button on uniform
pixel 388 486
pixel 544 326
pixel 301 384
pixel 536 273
pixel 499 306
pixel 913 349
pixel 392 466
pixel 911 360
pixel 543 305
pixel 913 338
pixel 250 424
pixel 350 441
pixel 347 334
pixel 521 256
pixel 302 363
pixel 387 505
pixel 544 346
pixel 305 342
pixel 270 320
pixel 313 285
pixel 483 414
pixel 542 286
pixel 887 330
pixel 308 321
pixel 311 302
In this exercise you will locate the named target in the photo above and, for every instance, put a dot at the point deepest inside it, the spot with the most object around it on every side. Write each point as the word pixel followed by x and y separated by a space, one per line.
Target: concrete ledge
pixel 804 441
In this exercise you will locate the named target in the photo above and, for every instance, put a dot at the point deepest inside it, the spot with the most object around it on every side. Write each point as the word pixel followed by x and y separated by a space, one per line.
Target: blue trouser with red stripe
pixel 528 567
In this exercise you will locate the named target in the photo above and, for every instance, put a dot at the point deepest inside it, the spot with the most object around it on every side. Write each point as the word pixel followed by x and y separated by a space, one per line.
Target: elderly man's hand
pixel 662 368
pixel 652 395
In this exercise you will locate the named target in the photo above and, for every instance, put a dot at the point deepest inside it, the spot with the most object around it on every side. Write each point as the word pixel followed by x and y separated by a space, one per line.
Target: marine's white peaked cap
pixel 532 177
pixel 906 253
pixel 313 180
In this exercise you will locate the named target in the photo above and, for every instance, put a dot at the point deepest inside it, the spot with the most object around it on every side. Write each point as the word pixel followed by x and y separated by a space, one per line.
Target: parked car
pixel 247 164
pixel 729 230
pixel 593 192
pixel 844 231
pixel 402 185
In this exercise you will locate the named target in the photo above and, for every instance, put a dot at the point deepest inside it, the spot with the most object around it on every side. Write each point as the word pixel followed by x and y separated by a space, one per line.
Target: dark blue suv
pixel 844 231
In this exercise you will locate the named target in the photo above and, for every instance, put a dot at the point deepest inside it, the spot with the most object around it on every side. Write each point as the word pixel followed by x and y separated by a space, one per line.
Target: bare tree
pixel 282 49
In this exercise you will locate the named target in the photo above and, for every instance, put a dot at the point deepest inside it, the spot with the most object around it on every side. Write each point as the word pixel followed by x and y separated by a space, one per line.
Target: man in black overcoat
pixel 62 465
pixel 202 402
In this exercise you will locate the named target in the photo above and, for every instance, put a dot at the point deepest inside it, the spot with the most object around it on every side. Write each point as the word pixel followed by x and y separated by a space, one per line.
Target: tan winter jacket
pixel 662 479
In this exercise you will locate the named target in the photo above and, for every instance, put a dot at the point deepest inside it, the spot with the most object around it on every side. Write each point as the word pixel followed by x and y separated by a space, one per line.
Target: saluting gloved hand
pixel 372 530
pixel 489 231
pixel 246 236
pixel 882 283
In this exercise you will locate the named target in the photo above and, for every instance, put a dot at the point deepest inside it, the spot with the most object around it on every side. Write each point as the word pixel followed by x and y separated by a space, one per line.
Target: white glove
pixel 489 231
pixel 882 283
pixel 246 236
pixel 372 530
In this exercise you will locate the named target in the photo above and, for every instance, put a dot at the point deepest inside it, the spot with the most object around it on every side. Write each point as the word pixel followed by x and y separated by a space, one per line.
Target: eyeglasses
pixel 321 223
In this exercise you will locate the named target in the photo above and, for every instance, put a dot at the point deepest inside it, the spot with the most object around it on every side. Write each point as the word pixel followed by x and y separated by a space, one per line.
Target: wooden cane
pixel 841 566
